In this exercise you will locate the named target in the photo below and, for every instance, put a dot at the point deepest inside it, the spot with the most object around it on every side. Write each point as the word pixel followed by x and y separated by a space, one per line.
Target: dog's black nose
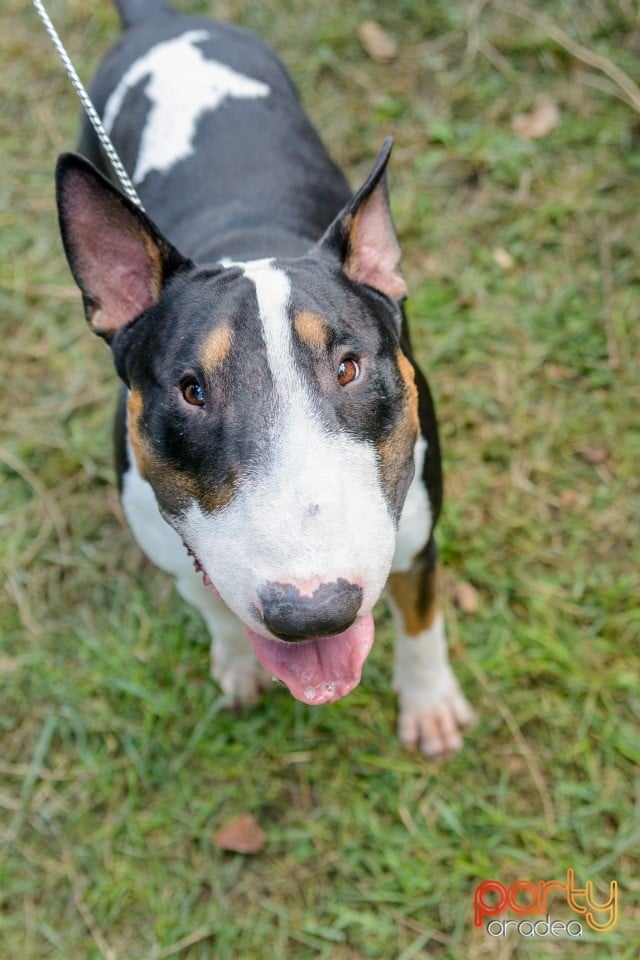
pixel 290 615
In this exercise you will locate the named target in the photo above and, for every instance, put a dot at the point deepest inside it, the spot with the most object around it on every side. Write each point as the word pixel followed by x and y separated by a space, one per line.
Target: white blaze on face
pixel 314 510
pixel 182 85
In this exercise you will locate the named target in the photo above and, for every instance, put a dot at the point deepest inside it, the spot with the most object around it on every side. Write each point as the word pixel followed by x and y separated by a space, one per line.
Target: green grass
pixel 117 762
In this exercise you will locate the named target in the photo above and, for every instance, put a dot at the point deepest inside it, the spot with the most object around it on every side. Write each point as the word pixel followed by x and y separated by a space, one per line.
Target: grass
pixel 118 763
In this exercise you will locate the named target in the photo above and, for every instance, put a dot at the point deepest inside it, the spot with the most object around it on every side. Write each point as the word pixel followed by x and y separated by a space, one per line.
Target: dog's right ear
pixel 363 237
pixel 117 255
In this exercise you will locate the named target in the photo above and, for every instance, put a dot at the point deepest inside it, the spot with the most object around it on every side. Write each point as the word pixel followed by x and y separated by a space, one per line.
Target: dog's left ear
pixel 117 255
pixel 363 236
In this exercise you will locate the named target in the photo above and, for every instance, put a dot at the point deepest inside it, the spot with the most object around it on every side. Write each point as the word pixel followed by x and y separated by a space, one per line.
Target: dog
pixel 276 443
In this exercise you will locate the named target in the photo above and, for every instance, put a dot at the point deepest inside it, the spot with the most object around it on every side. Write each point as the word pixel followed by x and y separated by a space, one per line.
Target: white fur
pixel 433 709
pixel 315 510
pixel 415 520
pixel 273 291
pixel 233 664
pixel 157 538
pixel 182 85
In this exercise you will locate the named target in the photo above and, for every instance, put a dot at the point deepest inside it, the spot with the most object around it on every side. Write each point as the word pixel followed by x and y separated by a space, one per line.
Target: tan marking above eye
pixel 312 329
pixel 216 347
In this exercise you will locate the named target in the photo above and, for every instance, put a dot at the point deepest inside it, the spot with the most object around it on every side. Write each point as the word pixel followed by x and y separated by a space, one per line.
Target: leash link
pixel 90 110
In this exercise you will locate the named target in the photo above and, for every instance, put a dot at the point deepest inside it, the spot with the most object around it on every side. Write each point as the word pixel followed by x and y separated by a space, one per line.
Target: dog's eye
pixel 192 392
pixel 348 371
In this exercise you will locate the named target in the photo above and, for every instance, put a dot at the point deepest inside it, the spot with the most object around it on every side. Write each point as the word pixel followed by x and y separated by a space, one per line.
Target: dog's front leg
pixel 433 709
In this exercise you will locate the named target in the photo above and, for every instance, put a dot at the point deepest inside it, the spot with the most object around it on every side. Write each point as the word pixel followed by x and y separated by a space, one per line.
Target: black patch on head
pixel 210 448
pixel 363 324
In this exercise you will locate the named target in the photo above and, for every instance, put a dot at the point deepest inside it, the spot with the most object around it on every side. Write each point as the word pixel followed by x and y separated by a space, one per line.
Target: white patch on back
pixel 315 509
pixel 182 86
pixel 415 520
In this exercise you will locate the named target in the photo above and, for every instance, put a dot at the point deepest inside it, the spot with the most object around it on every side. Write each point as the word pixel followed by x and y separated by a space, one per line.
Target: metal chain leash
pixel 89 108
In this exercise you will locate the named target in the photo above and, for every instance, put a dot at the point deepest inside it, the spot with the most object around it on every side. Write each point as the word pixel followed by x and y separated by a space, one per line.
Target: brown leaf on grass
pixel 243 834
pixel 568 499
pixel 8 665
pixel 377 43
pixel 538 123
pixel 558 372
pixel 592 455
pixel 503 258
pixel 465 596
pixel 447 390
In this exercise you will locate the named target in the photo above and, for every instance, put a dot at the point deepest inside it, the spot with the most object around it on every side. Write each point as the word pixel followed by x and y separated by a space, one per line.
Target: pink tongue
pixel 321 670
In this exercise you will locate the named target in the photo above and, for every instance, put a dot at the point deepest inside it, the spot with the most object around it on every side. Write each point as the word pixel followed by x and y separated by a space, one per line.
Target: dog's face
pixel 270 408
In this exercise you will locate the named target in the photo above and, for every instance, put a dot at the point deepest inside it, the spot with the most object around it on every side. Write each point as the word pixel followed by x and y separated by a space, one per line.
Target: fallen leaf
pixel 503 258
pixel 568 498
pixel 447 390
pixel 377 43
pixel 557 371
pixel 243 834
pixel 465 596
pixel 592 455
pixel 9 665
pixel 538 123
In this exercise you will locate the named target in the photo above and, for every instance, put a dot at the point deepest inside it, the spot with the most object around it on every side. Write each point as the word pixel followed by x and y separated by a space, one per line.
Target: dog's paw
pixel 242 681
pixel 434 725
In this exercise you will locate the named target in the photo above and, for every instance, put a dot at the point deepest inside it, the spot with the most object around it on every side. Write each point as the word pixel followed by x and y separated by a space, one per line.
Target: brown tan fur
pixel 138 444
pixel 312 330
pixel 397 447
pixel 216 348
pixel 415 593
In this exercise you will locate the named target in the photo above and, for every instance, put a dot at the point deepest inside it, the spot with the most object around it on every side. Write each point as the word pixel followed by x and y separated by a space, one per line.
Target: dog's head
pixel 271 409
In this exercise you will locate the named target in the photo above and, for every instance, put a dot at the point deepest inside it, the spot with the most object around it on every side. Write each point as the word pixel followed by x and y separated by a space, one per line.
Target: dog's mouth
pixel 320 670
pixel 316 671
